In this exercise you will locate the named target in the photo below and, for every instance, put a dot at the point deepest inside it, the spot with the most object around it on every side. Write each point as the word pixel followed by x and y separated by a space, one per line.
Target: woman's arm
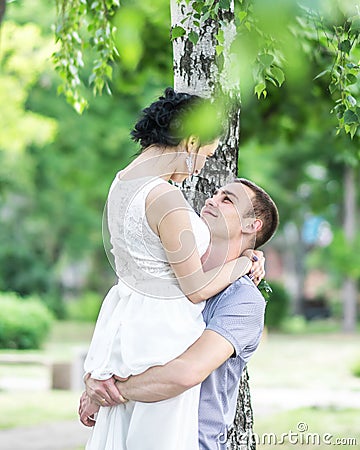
pixel 168 215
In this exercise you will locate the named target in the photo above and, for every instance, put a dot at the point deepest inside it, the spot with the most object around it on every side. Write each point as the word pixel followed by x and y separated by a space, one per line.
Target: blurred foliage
pixel 53 192
pixel 265 289
pixel 84 309
pixel 24 323
pixel 75 33
pixel 21 127
pixel 294 325
pixel 336 33
pixel 356 369
pixel 304 30
pixel 278 307
pixel 56 166
pixel 96 34
pixel 339 258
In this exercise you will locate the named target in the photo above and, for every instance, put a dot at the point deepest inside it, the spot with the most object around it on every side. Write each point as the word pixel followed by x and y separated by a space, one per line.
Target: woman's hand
pixel 87 409
pixel 257 271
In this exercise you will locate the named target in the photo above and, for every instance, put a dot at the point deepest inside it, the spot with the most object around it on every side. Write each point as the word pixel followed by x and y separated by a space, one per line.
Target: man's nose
pixel 211 202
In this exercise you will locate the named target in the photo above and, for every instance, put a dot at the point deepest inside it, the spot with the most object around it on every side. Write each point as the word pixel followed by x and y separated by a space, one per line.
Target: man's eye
pixel 227 199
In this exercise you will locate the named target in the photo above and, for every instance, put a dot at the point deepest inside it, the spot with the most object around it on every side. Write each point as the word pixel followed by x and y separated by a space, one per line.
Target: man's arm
pixel 237 325
pixel 163 382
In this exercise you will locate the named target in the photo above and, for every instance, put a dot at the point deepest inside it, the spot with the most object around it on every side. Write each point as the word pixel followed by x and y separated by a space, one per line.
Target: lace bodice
pixel 137 250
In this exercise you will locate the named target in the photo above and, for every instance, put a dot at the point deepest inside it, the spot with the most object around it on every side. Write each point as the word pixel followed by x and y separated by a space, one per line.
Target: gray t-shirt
pixel 237 314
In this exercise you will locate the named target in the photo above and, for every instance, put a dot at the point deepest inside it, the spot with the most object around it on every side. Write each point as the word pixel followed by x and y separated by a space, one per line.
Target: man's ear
pixel 251 225
pixel 192 144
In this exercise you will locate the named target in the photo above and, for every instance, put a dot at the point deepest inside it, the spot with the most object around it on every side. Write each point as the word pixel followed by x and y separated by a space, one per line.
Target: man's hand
pixel 103 392
pixel 87 409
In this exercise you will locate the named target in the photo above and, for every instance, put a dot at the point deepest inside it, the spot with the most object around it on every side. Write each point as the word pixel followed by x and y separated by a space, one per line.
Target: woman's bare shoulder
pixel 165 194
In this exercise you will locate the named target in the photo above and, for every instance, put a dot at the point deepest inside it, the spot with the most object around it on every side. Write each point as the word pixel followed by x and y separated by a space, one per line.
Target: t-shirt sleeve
pixel 239 318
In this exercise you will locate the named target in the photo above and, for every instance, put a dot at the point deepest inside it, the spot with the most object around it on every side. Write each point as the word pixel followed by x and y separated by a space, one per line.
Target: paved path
pixel 71 435
pixel 68 435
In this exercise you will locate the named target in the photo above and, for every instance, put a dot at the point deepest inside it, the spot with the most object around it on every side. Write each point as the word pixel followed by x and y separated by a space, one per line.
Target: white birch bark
pixel 196 72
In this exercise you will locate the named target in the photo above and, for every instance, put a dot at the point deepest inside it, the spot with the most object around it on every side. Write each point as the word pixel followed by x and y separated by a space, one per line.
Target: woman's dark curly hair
pixel 168 120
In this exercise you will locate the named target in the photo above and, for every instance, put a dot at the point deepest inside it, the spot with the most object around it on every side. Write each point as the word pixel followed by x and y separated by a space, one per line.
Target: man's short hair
pixel 264 208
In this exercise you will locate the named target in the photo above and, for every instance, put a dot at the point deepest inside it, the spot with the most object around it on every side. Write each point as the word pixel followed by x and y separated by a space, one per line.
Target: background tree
pixel 2 9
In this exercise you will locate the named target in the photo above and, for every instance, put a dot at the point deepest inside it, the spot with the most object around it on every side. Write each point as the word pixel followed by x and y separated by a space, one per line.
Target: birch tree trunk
pixel 349 285
pixel 196 72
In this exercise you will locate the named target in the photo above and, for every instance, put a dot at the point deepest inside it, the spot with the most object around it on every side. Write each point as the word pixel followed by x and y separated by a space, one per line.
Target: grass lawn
pixel 322 427
pixel 320 361
pixel 24 396
pixel 21 409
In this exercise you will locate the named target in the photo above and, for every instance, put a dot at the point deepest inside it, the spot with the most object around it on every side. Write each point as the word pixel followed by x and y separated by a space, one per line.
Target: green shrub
pixel 294 325
pixel 277 307
pixel 55 303
pixel 86 308
pixel 356 369
pixel 24 322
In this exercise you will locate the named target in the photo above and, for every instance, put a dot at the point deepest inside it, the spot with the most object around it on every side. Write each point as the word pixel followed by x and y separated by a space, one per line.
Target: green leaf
pixel 321 74
pixel 265 289
pixel 242 15
pixel 193 37
pixel 351 100
pixel 333 88
pixel 265 59
pixel 220 36
pixel 345 46
pixel 355 26
pixel 353 129
pixel 205 16
pixel 224 4
pixel 177 32
pixel 278 75
pixel 248 25
pixel 351 79
pixel 198 6
pixel 350 117
pixel 340 109
pixel 219 49
pixel 260 89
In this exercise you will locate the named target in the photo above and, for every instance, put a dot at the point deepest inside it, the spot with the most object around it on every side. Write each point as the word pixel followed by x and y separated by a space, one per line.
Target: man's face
pixel 224 211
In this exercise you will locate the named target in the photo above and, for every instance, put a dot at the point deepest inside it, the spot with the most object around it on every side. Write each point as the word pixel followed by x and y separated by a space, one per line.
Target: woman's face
pixel 198 160
pixel 206 151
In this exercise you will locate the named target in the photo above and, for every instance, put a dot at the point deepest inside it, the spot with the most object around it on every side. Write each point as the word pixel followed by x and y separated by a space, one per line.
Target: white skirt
pixel 135 331
pixel 167 425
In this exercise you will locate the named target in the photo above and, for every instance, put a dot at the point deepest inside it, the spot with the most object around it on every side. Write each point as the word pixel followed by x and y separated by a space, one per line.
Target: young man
pixel 240 216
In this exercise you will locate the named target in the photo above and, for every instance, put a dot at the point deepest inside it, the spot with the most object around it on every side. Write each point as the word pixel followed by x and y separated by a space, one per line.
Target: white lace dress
pixel 145 320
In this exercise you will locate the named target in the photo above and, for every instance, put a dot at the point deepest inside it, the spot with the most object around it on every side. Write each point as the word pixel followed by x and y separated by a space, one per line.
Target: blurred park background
pixel 55 170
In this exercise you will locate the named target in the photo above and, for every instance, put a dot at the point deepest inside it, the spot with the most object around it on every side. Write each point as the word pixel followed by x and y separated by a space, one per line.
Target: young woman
pixel 154 314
